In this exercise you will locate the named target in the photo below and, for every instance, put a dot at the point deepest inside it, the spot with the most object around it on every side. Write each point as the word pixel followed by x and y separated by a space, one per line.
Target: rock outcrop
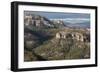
pixel 37 21
pixel 74 35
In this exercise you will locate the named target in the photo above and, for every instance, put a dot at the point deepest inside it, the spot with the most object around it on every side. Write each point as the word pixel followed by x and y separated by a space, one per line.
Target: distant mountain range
pixel 75 22
pixel 78 25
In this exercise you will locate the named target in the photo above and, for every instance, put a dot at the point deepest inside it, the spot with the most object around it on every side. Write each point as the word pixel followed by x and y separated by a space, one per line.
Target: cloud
pixel 74 20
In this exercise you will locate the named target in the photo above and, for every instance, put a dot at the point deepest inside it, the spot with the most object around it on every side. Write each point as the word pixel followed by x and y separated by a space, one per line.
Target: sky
pixel 55 15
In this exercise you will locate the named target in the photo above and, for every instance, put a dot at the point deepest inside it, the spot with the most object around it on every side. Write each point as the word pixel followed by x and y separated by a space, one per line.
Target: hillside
pixel 42 22
pixel 52 48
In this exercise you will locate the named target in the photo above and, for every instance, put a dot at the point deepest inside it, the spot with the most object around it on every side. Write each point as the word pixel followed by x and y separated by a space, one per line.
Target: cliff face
pixel 37 21
pixel 83 37
pixel 42 22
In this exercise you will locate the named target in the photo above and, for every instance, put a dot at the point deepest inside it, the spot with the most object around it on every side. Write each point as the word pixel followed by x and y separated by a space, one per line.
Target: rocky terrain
pixel 53 40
